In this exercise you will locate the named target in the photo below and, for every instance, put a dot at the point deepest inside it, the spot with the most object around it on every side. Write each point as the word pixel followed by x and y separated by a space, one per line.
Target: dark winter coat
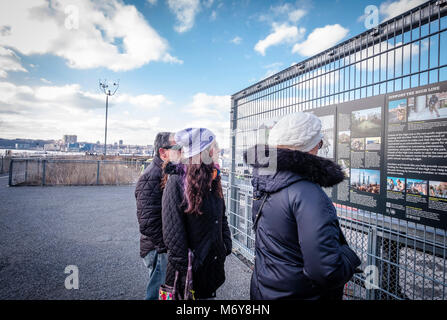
pixel 148 195
pixel 207 235
pixel 300 250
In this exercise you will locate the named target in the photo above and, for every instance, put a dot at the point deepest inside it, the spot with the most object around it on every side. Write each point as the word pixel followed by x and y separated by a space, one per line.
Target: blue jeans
pixel 156 263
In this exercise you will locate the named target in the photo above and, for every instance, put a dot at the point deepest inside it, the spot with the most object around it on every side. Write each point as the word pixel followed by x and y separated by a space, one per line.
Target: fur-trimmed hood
pixel 277 168
pixel 173 168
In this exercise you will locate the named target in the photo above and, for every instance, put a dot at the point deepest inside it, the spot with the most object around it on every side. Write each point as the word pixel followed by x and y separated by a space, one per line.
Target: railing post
pixel 371 258
pixel 2 165
pixel 97 173
pixel 26 170
pixel 44 167
pixel 10 172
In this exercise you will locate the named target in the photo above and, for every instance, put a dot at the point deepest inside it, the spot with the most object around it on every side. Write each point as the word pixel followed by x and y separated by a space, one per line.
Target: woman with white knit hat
pixel 300 250
pixel 193 216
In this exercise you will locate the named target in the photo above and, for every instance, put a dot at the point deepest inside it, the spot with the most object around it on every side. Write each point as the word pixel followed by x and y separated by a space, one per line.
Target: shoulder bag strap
pixel 258 215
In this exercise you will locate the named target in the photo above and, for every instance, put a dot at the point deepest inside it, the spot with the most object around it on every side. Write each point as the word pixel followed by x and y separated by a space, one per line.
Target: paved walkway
pixel 44 229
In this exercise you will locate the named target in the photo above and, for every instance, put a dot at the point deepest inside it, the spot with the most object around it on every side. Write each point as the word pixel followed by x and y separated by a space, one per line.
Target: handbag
pixel 170 292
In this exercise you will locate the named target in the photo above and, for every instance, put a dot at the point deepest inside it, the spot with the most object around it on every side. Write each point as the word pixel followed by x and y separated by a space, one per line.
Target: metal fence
pixel 407 51
pixel 4 164
pixel 45 172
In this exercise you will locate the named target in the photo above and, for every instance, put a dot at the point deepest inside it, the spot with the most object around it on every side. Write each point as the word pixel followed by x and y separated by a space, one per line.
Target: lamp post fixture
pixel 104 86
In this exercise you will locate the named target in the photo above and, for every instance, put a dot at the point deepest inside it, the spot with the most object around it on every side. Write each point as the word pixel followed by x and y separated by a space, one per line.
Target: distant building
pixel 51 147
pixel 23 146
pixel 70 138
pixel 73 147
pixel 121 143
pixel 86 147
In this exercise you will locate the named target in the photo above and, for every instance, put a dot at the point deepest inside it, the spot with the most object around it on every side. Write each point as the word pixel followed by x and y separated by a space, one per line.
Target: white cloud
pixel 320 39
pixel 204 105
pixel 213 15
pixel 390 9
pixel 89 34
pixel 296 15
pixel 9 61
pixel 210 112
pixel 236 40
pixel 45 81
pixel 208 3
pixel 152 2
pixel 185 12
pixel 283 33
pixel 283 12
pixel 51 111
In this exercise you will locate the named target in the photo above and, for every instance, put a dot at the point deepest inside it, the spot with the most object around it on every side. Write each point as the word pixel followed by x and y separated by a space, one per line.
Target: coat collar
pixel 321 171
pixel 158 161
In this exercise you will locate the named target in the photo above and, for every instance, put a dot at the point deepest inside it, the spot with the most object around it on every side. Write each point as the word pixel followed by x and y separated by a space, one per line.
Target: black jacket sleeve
pixel 174 229
pixel 226 233
pixel 327 262
pixel 148 195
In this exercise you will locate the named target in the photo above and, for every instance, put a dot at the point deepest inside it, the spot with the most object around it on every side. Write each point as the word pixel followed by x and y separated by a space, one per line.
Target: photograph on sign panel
pixel 373 143
pixel 438 189
pixel 428 107
pixel 365 180
pixel 417 187
pixel 395 184
pixel 397 111
pixel 366 122
pixel 358 144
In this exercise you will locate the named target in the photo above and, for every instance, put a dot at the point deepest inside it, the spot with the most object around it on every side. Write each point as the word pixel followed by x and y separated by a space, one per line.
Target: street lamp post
pixel 103 85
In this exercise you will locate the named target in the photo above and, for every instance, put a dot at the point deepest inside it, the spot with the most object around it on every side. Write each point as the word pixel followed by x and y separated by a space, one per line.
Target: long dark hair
pixel 199 182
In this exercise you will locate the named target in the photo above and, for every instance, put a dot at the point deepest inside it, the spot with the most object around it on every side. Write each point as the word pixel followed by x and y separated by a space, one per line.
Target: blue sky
pixel 178 61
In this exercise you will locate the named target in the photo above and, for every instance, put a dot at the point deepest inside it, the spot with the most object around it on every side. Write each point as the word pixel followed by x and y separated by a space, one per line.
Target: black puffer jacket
pixel 300 250
pixel 148 195
pixel 207 235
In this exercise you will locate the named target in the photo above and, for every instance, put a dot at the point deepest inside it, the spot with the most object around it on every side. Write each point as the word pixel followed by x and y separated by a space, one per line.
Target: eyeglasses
pixel 173 147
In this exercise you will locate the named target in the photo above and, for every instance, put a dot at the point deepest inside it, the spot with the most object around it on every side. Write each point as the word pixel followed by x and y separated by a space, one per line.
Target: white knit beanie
pixel 301 130
pixel 194 140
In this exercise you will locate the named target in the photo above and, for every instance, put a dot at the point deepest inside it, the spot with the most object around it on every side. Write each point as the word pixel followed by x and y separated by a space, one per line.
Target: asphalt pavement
pixel 45 229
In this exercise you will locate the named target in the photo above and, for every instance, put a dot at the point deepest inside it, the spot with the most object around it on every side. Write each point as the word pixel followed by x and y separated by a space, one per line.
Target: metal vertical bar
pixel 97 173
pixel 402 56
pixel 414 266
pixel 44 162
pixel 433 265
pixel 1 171
pixel 443 269
pixel 233 124
pixel 424 254
pixel 11 163
pixel 105 134
pixel 439 43
pixel 394 59
pixel 411 50
pixel 26 170
pixel 419 49
pixel 371 257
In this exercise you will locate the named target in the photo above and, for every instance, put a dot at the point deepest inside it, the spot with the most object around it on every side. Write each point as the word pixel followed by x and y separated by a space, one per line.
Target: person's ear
pixel 163 154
